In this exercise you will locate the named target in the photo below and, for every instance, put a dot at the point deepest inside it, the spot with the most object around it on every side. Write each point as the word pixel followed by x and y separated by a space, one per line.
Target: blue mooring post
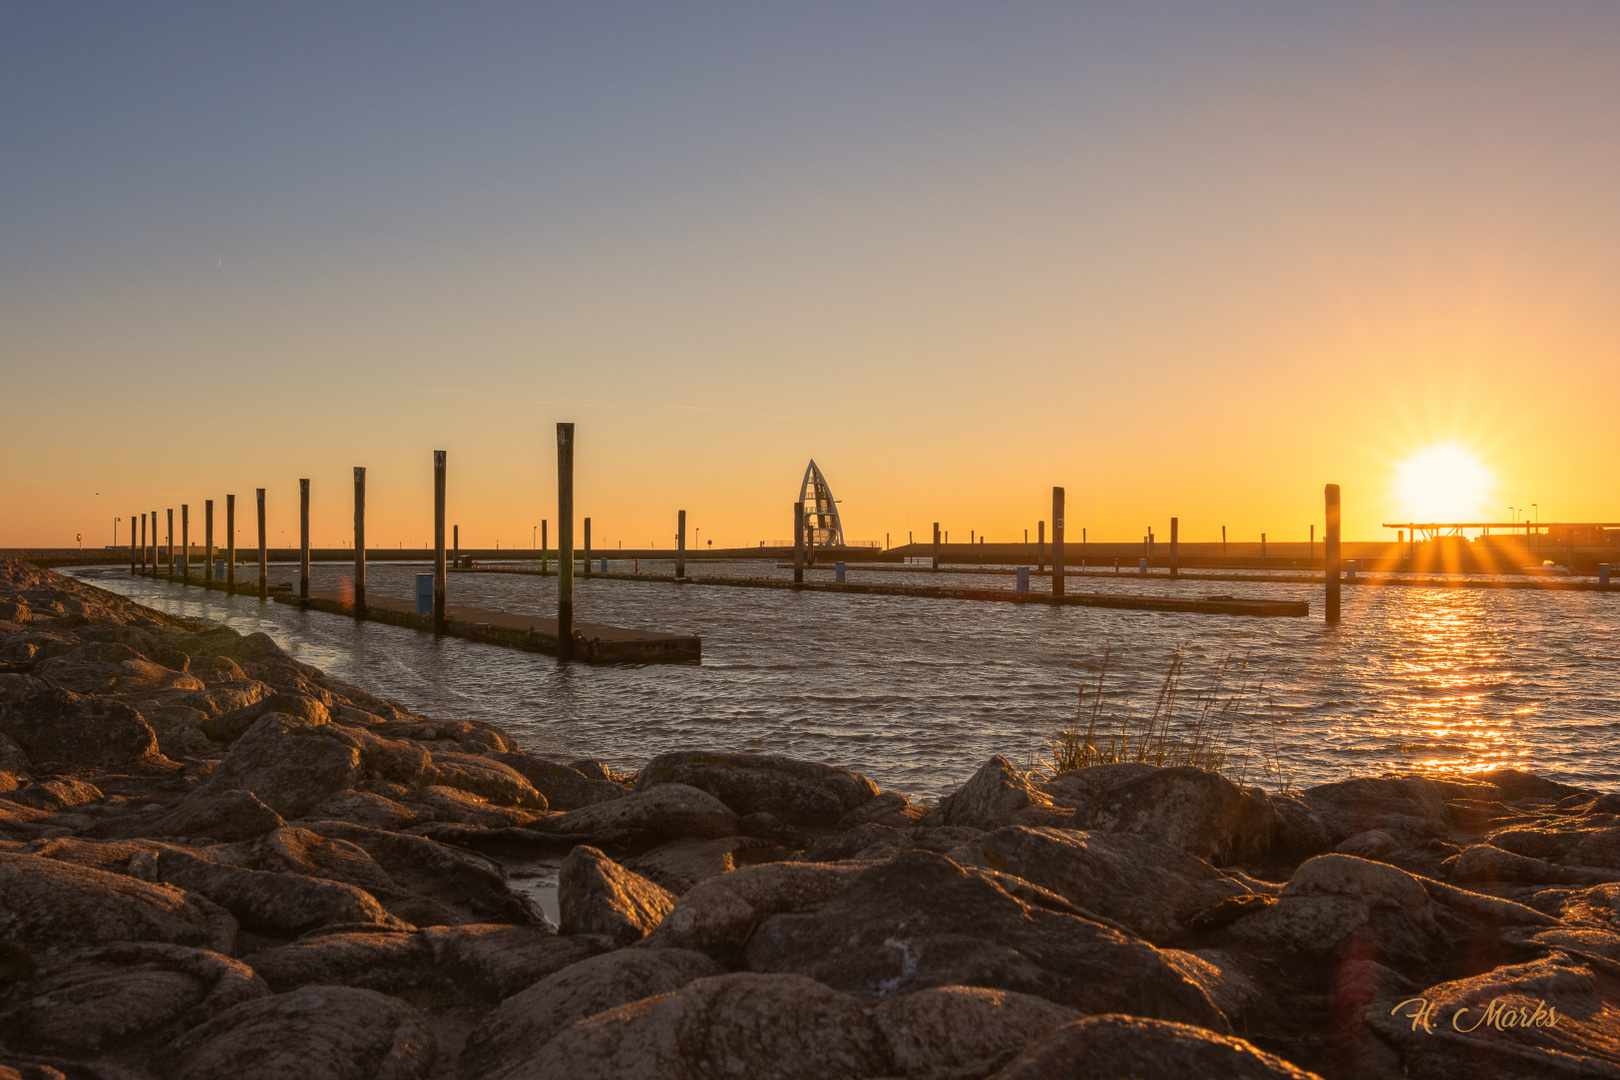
pixel 838 572
pixel 1023 579
pixel 424 594
pixel 1603 573
pixel 1141 566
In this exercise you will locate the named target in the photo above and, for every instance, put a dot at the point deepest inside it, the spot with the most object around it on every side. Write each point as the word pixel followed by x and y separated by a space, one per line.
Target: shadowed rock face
pixel 290 763
pixel 663 812
pixel 62 726
pixel 1132 1046
pixel 45 904
pixel 998 795
pixel 795 792
pixel 597 896
pixel 1201 813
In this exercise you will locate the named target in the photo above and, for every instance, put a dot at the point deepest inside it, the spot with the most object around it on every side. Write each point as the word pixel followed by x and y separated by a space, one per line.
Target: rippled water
pixel 916 693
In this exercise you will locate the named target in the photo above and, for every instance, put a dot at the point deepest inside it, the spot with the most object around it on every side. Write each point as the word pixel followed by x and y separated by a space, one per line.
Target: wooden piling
pixel 208 541
pixel 798 544
pixel 455 533
pixel 440 467
pixel 303 538
pixel 264 552
pixel 680 545
pixel 1330 552
pixel 1311 551
pixel 587 547
pixel 1175 539
pixel 1262 545
pixel 359 541
pixel 936 545
pixel 185 543
pixel 1057 541
pixel 169 539
pixel 1040 546
pixel 565 540
pixel 545 545
pixel 1223 541
pixel 230 542
pixel 132 543
pixel 143 542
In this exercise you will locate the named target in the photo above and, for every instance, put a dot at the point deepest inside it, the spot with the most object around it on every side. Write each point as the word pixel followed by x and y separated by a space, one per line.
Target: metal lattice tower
pixel 821 520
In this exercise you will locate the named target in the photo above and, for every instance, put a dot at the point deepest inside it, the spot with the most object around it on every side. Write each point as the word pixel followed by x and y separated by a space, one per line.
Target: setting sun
pixel 1443 483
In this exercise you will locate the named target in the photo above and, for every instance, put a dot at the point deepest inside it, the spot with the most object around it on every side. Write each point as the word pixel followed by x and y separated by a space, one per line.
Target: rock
pixel 920 921
pixel 998 794
pixel 398 761
pixel 366 808
pixel 46 905
pixel 798 793
pixel 890 808
pixel 1132 1046
pixel 118 996
pixel 595 895
pixel 1139 881
pixel 1405 806
pixel 439 803
pixel 718 915
pixel 1079 788
pixel 517 1030
pixel 60 726
pixel 315 1033
pixel 778 1026
pixel 294 850
pixel 1200 812
pixel 1334 900
pixel 1455 1044
pixel 54 795
pixel 501 960
pixel 232 725
pixel 12 759
pixel 954 1031
pixel 662 812
pixel 681 864
pixel 564 787
pixel 486 778
pixel 1485 862
pixel 289 762
pixel 226 815
pixel 1299 832
pixel 1597 907
pixel 1372 844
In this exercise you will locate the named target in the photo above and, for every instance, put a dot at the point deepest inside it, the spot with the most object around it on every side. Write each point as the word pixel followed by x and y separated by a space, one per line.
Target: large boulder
pixel 116 997
pixel 595 895
pixel 1409 807
pixel 778 1026
pixel 660 813
pixel 233 724
pixel 920 921
pixel 718 915
pixel 291 763
pixel 62 727
pixel 224 815
pixel 1134 1046
pixel 47 904
pixel 950 1031
pixel 681 864
pixel 564 786
pixel 1139 881
pixel 1200 812
pixel 999 794
pixel 523 1023
pixel 795 792
pixel 314 1033
pixel 484 777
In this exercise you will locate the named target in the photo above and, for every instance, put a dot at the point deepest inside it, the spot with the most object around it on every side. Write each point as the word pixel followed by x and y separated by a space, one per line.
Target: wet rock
pixel 1597 907
pixel 662 812
pixel 1403 806
pixel 998 794
pixel 1515 1041
pixel 1134 1046
pixel 46 904
pixel 718 915
pixel 115 997
pixel 517 1030
pixel 1200 812
pixel 565 787
pixel 681 864
pixel 798 793
pixel 960 1031
pixel 779 1026
pixel 595 895
pixel 1139 881
pixel 485 778
pixel 60 726
pixel 291 763
pixel 314 1033
pixel 920 921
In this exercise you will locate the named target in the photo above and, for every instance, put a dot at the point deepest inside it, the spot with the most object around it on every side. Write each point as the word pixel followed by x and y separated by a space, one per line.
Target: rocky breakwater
pixel 215 861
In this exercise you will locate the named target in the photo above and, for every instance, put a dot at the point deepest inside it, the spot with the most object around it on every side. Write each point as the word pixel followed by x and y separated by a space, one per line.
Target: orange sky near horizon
pixel 1180 269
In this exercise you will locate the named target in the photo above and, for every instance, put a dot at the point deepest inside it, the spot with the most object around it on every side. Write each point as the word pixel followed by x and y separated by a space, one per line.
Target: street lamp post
pixel 116 520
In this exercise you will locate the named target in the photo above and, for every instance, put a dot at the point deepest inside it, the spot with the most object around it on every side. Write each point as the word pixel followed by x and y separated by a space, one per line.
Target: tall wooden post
pixel 1330 551
pixel 264 553
pixel 143 542
pixel 359 541
pixel 455 534
pixel 1262 545
pixel 208 541
pixel 798 543
pixel 545 545
pixel 1040 546
pixel 132 543
pixel 230 543
pixel 587 523
pixel 185 543
pixel 1223 541
pixel 169 539
pixel 440 467
pixel 936 545
pixel 1311 551
pixel 680 545
pixel 565 540
pixel 1057 541
pixel 1175 540
pixel 303 538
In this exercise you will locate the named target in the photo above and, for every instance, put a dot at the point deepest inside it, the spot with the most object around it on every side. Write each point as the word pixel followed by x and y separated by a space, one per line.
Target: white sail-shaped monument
pixel 820 510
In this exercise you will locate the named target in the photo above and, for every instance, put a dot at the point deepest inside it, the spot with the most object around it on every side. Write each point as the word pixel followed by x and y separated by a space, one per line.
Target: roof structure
pixel 821 521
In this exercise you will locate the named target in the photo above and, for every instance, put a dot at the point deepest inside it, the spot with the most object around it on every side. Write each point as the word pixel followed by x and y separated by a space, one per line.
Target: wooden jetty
pixel 1208 605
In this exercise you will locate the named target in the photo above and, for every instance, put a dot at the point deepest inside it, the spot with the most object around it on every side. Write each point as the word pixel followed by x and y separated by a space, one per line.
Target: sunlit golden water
pixel 917 692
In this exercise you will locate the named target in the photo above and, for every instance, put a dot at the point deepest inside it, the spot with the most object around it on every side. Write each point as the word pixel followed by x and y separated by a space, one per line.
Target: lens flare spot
pixel 1443 483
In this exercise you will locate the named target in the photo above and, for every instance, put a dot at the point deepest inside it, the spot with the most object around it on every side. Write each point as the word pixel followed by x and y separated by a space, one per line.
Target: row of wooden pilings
pixel 140 549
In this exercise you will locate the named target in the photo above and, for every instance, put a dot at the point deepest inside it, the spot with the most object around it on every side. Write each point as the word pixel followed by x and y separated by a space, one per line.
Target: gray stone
pixel 1200 812
pixel 998 794
pixel 718 915
pixel 798 793
pixel 1134 1046
pixel 662 812
pixel 60 726
pixel 962 1031
pixel 597 896
pixel 290 763
pixel 46 904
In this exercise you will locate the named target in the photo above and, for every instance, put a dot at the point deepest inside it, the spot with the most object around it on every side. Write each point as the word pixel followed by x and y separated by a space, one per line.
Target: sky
pixel 1182 259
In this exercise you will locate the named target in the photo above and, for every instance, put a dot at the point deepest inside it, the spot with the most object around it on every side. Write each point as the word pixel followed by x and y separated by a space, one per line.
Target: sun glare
pixel 1443 483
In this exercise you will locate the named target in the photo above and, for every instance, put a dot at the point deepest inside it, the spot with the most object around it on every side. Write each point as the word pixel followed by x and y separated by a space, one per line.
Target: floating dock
pixel 1208 605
